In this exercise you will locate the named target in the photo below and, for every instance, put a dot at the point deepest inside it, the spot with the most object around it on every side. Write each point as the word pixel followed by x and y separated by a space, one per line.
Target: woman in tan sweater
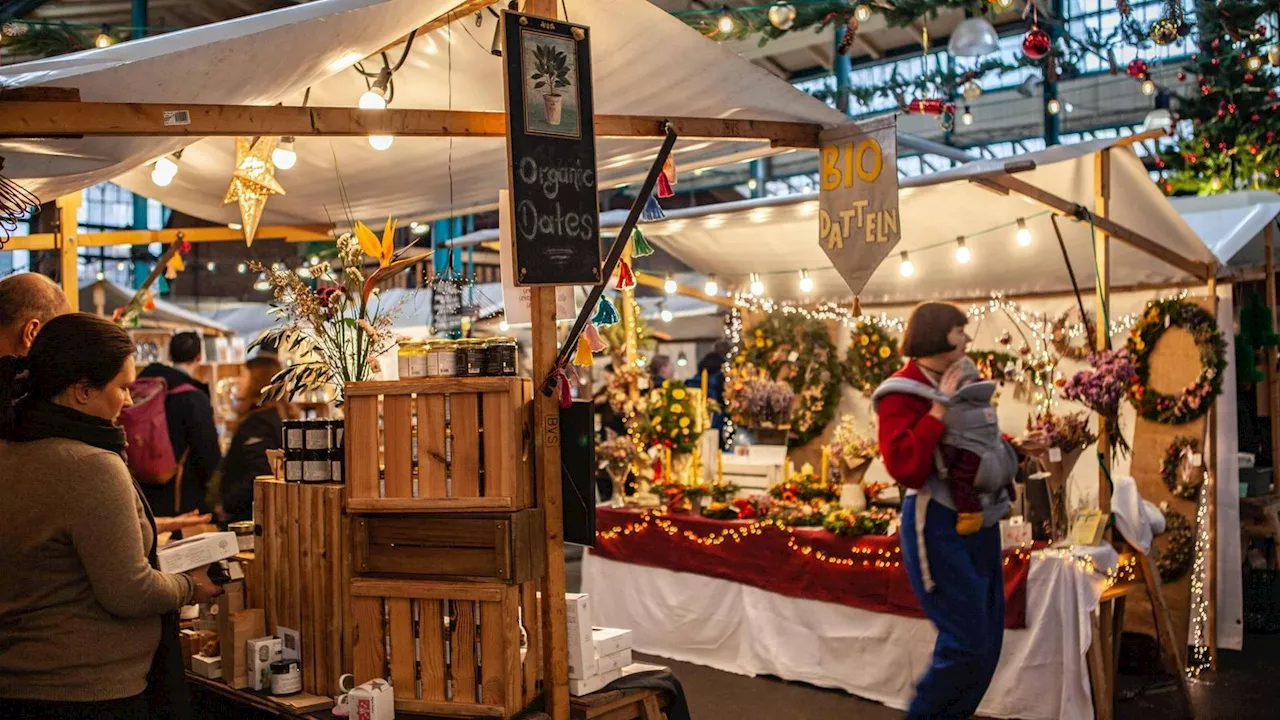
pixel 87 624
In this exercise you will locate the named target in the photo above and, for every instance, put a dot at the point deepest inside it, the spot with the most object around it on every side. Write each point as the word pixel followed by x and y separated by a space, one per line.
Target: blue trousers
pixel 967 607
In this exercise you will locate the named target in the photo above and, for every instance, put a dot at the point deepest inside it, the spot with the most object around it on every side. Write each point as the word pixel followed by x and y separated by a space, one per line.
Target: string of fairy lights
pixel 1200 658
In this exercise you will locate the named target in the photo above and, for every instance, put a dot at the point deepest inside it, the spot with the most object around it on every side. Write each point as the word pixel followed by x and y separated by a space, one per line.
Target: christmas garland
pixel 873 356
pixel 1063 331
pixel 1171 463
pixel 798 351
pixel 848 523
pixel 1194 400
pixel 1175 560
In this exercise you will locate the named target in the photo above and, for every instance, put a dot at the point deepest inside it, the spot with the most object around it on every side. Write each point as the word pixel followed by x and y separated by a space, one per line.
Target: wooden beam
pixel 463 9
pixel 1200 270
pixel 58 119
pixel 288 233
pixel 1102 288
pixel 872 49
pixel 68 248
pixel 653 281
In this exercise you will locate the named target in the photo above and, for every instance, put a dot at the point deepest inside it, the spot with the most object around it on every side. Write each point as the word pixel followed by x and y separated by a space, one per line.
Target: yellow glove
pixel 968 523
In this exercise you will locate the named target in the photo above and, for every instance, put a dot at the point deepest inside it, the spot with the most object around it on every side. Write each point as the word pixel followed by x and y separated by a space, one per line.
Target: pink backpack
pixel 146 427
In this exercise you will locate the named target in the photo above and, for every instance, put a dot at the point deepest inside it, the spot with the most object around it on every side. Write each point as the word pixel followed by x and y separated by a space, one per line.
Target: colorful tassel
pixel 640 246
pixel 626 280
pixel 664 187
pixel 592 336
pixel 606 313
pixel 562 388
pixel 582 356
pixel 669 170
pixel 652 210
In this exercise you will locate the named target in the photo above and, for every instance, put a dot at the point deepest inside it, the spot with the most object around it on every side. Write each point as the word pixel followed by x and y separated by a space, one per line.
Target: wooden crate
pixel 450 649
pixel 473 443
pixel 305 560
pixel 504 547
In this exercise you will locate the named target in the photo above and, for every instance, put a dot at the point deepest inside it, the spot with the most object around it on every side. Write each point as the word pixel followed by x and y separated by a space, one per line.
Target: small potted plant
pixel 551 71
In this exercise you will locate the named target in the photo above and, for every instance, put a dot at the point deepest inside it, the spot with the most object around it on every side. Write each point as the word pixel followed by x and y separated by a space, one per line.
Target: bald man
pixel 27 302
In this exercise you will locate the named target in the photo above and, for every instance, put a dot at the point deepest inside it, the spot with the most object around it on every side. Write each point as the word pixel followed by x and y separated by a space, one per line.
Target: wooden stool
pixel 618 705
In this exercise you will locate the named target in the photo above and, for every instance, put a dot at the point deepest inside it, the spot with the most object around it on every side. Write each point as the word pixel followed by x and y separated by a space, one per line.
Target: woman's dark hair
pixel 928 327
pixel 261 368
pixel 70 349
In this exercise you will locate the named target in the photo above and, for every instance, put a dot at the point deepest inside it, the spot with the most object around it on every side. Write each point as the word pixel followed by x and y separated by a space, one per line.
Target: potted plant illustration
pixel 551 71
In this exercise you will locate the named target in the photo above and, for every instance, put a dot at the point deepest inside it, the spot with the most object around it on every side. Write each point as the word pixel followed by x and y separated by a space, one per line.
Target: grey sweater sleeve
pixel 107 533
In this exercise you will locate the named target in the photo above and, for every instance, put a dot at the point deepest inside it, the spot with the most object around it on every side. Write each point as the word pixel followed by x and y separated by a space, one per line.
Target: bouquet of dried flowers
pixel 1068 433
pixel 617 454
pixel 850 447
pixel 761 402
pixel 1101 388
pixel 339 327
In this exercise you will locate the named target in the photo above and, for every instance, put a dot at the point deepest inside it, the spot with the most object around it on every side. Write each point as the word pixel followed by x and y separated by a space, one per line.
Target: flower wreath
pixel 873 356
pixel 1169 468
pixel 1061 333
pixel 1175 560
pixel 1196 398
pixel 798 351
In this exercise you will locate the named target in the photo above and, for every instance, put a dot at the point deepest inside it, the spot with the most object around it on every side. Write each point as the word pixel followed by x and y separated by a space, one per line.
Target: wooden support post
pixel 1102 255
pixel 69 248
pixel 1273 383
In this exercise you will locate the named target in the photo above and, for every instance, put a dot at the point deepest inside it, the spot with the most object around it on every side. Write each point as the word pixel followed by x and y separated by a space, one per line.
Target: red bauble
pixel 1222 147
pixel 1255 117
pixel 1159 163
pixel 1195 57
pixel 1168 188
pixel 1248 77
pixel 1182 75
pixel 1231 108
pixel 1215 44
pixel 1036 44
pixel 1271 93
pixel 1215 62
pixel 1137 68
pixel 1222 113
pixel 1204 90
pixel 1271 136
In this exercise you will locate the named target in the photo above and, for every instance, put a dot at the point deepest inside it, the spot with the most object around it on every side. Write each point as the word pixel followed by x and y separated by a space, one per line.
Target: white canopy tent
pixel 1231 224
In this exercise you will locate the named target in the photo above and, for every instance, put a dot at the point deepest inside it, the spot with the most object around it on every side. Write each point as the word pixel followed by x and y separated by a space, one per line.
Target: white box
pixel 1015 532
pixel 373 700
pixel 197 552
pixel 595 683
pixel 609 641
pixel 207 667
pixel 616 661
pixel 582 651
pixel 261 652
pixel 635 668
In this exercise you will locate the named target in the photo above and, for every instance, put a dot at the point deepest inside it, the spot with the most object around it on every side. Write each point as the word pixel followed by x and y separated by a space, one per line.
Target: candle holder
pixel 618 476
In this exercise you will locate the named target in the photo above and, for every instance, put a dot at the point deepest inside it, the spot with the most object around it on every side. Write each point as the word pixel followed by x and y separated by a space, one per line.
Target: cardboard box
pixel 373 700
pixel 610 641
pixel 197 552
pixel 582 652
pixel 595 683
pixel 616 661
pixel 261 652
pixel 207 667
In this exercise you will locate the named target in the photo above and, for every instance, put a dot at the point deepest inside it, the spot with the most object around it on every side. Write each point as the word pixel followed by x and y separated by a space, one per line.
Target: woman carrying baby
pixel 939 438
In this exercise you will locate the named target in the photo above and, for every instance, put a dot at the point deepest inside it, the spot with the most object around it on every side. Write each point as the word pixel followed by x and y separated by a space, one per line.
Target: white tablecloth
pixel 748 631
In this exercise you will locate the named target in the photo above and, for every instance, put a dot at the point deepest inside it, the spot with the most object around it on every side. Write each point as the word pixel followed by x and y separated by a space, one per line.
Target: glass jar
pixel 500 357
pixel 412 358
pixel 442 359
pixel 471 352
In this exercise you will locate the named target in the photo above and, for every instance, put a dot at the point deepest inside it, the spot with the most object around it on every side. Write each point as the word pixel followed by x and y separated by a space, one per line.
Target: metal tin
pixel 244 534
pixel 500 357
pixel 317 466
pixel 471 354
pixel 293 436
pixel 317 435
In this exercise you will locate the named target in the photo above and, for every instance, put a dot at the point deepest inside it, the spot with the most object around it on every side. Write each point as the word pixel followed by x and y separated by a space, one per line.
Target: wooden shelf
pixel 433 386
pixel 373 506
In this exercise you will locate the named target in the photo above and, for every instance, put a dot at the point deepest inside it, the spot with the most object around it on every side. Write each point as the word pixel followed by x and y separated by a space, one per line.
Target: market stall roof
pixel 1231 224
pixel 777 237
pixel 645 63
pixel 166 315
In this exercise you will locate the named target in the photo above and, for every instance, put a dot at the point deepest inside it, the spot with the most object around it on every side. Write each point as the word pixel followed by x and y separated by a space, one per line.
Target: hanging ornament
pixel 592 336
pixel 253 181
pixel 606 313
pixel 850 34
pixel 1273 55
pixel 1184 28
pixel 1005 338
pixel 664 187
pixel 1137 68
pixel 652 210
pixel 930 106
pixel 669 169
pixel 1036 44
pixel 972 90
pixel 582 356
pixel 626 280
pixel 1164 31
pixel 782 16
pixel 948 117
pixel 640 246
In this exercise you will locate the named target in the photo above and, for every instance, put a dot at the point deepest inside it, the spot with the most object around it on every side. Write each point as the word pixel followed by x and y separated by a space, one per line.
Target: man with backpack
pixel 173 483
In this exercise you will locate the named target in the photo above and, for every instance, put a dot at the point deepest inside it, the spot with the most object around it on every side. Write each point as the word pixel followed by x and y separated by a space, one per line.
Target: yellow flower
pixel 677 408
pixel 864 340
pixel 884 351
pixel 678 393
pixel 676 431
pixel 875 338
pixel 684 422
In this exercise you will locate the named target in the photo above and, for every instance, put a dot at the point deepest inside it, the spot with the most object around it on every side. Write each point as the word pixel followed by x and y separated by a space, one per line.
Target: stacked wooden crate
pixel 447 548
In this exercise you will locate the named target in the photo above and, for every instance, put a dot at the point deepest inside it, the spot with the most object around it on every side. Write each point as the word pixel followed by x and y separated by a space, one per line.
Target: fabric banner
pixel 858 197
pixel 863 572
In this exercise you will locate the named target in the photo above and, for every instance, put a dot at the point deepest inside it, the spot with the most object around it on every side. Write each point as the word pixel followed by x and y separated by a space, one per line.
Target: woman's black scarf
pixel 40 420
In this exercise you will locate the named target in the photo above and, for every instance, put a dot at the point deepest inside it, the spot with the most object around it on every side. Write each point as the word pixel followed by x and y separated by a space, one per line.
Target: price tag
pixel 1055 454
pixel 1197 460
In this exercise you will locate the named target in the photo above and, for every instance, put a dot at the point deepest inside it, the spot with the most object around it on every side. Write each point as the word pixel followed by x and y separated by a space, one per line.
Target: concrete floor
pixel 1243 688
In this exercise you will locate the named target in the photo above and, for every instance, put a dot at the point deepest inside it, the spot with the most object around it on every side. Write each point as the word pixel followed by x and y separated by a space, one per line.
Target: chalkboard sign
pixel 552 152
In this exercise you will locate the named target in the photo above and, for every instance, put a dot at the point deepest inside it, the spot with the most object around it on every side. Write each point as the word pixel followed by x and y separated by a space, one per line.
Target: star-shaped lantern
pixel 253 182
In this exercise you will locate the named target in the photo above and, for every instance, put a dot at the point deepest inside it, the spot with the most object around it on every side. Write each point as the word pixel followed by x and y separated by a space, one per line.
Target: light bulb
pixel 370 100
pixel 1069 107
pixel 381 142
pixel 752 184
pixel 1024 233
pixel 1254 63
pixel 314 260
pixel 967 117
pixel 262 285
pixel 682 359
pixel 102 275
pixel 711 288
pixel 963 254
pixel 1148 87
pixel 104 38
pixel 1054 107
pixel 1215 183
pixel 725 24
pixel 121 266
pixel 806 282
pixel 669 285
pixel 665 314
pixel 421 229
pixel 906 267
pixel 862 12
pixel 1004 4
pixel 242 268
pixel 159 177
pixel 503 325
pixel 284 156
pixel 757 286
pixel 211 266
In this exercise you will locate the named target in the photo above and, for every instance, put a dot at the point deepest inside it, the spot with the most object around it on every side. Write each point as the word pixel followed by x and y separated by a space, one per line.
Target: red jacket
pixel 908 433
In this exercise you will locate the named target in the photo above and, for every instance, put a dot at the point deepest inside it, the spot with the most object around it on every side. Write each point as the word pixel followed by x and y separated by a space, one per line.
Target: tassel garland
pixel 664 187
pixel 669 170
pixel 606 313
pixel 640 246
pixel 626 280
pixel 594 341
pixel 652 210
pixel 582 356
pixel 562 388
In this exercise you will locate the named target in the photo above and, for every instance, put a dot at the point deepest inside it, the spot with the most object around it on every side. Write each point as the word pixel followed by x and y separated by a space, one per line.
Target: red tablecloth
pixel 864 572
